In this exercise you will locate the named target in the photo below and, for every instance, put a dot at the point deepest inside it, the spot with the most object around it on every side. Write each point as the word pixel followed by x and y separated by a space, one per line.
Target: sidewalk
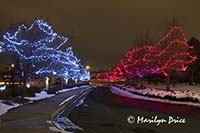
pixel 31 118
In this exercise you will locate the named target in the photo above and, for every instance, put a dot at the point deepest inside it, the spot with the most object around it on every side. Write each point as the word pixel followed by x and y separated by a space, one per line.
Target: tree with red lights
pixel 141 61
pixel 173 53
pixel 167 55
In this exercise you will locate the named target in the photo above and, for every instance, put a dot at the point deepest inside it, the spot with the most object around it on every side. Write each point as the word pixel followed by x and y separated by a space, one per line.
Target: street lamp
pixel 87 67
pixel 12 65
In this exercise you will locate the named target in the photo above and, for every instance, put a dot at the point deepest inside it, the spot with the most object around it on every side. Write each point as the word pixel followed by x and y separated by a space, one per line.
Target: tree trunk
pixel 168 83
pixel 192 78
pixel 141 83
pixel 148 81
pixel 24 82
pixel 62 83
pixel 174 84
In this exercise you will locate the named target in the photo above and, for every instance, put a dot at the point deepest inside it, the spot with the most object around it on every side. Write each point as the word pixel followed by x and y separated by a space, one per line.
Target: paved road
pixel 107 112
pixel 31 118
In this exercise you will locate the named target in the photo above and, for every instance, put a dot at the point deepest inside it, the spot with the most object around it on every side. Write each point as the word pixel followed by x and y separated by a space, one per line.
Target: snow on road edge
pixel 4 107
pixel 125 93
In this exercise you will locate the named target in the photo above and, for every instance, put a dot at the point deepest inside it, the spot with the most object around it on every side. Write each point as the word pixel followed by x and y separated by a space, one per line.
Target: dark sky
pixel 103 30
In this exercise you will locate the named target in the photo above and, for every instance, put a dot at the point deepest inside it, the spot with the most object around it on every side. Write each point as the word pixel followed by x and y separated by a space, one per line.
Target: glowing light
pixel 28 85
pixel 169 53
pixel 66 81
pixel 54 73
pixel 2 88
pixel 47 83
pixel 1 44
pixel 87 67
pixel 76 81
pixel 2 83
pixel 39 45
pixel 12 65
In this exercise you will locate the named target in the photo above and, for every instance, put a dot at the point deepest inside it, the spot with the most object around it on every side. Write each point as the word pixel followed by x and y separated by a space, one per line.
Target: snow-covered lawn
pixel 5 107
pixel 181 87
pixel 127 93
pixel 40 96
pixel 180 97
pixel 163 93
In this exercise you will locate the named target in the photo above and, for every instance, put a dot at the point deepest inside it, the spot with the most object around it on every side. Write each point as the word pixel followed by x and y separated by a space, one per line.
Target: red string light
pixel 170 53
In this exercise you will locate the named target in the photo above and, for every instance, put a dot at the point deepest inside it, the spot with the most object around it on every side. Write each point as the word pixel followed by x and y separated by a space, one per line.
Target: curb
pixel 68 104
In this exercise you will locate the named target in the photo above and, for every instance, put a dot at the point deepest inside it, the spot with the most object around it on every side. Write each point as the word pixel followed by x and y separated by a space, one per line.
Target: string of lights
pixel 39 46
pixel 170 53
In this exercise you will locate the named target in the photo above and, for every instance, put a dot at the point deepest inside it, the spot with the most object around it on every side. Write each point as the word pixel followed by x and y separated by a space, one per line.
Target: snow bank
pixel 180 87
pixel 65 123
pixel 4 107
pixel 80 102
pixel 193 95
pixel 54 129
pixel 39 96
pixel 2 88
pixel 131 92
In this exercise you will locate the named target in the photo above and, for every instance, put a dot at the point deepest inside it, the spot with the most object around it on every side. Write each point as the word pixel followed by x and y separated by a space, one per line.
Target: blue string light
pixel 39 46
pixel 1 46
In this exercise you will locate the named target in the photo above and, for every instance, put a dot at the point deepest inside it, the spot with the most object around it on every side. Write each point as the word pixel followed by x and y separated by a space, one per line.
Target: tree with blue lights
pixel 59 63
pixel 1 45
pixel 37 49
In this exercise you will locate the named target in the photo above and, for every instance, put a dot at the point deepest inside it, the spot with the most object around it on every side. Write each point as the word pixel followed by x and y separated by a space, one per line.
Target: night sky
pixel 102 31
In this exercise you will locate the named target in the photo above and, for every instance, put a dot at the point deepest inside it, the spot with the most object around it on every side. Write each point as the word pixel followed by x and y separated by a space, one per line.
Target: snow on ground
pixel 181 87
pixel 80 102
pixel 54 129
pixel 65 123
pixel 39 96
pixel 4 107
pixel 163 93
pixel 126 93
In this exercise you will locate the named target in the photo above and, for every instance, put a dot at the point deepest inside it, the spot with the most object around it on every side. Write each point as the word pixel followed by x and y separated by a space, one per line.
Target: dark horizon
pixel 101 32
